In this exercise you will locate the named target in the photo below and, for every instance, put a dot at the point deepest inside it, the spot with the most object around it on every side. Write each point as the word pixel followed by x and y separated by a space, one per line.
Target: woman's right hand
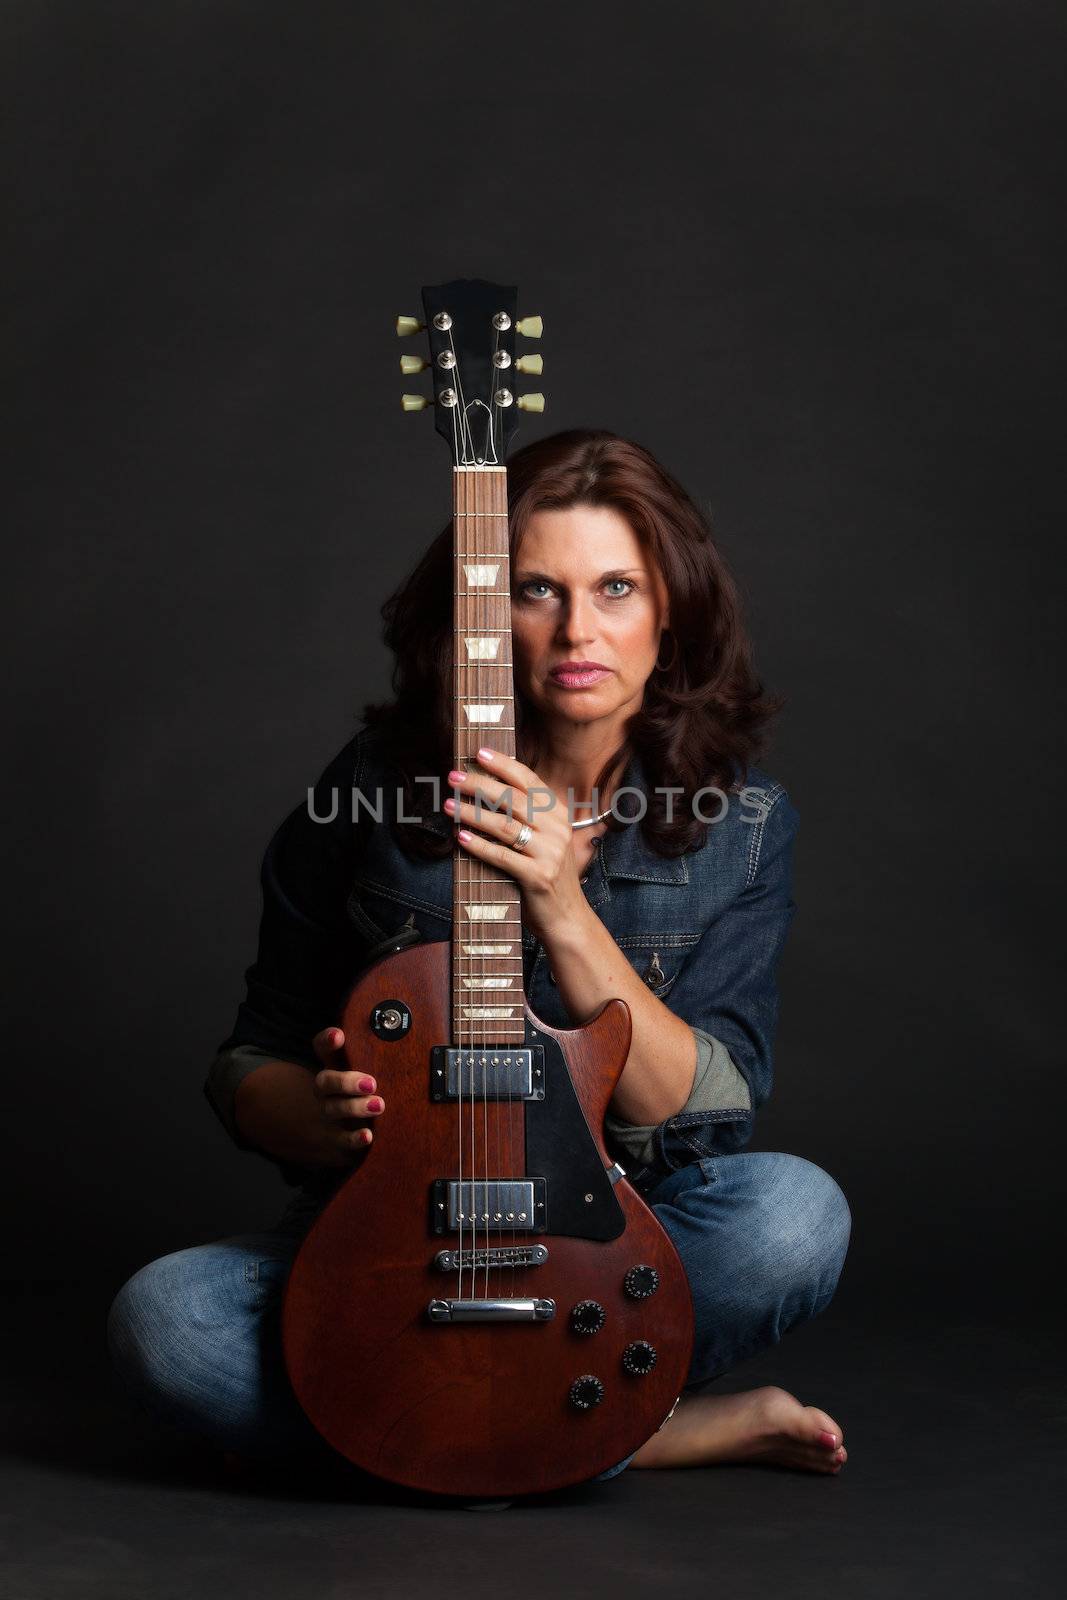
pixel 316 1119
pixel 348 1101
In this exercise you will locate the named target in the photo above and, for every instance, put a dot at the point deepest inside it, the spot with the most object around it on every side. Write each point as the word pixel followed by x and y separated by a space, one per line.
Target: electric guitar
pixel 485 1306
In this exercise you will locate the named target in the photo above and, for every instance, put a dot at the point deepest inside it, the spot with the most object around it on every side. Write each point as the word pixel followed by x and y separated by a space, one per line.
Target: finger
pixel 327 1044
pixel 503 856
pixel 507 768
pixel 496 823
pixel 489 796
pixel 334 1081
pixel 338 1107
pixel 354 1139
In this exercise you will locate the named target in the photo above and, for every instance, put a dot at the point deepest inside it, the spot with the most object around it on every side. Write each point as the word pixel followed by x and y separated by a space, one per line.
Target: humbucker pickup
pixel 487 1073
pixel 493 1205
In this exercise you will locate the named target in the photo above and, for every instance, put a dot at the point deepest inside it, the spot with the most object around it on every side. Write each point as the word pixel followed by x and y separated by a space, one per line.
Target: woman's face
pixel 584 592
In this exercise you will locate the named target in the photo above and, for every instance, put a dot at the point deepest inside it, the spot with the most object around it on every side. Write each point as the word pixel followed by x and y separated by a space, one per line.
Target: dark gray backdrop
pixel 805 254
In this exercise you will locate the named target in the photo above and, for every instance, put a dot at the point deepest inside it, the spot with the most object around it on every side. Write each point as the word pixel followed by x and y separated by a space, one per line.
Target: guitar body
pixel 484 1407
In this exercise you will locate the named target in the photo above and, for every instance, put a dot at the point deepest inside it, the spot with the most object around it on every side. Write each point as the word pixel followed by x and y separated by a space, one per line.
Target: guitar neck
pixel 487 991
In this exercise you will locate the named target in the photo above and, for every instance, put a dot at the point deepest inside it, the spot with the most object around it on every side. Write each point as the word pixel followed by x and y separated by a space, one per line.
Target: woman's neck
pixel 574 763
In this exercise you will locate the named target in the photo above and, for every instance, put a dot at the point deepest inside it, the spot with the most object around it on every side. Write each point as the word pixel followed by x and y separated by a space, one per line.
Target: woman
pixel 676 900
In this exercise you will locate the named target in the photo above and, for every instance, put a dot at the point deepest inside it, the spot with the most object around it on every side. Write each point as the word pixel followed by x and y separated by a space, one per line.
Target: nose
pixel 577 623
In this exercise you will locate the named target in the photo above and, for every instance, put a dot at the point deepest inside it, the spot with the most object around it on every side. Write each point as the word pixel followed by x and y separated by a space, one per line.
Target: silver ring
pixel 522 839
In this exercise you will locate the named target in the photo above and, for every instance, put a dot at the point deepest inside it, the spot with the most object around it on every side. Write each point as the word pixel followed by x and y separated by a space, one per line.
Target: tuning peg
pixel 413 364
pixel 406 325
pixel 534 365
pixel 414 402
pixel 531 402
pixel 530 327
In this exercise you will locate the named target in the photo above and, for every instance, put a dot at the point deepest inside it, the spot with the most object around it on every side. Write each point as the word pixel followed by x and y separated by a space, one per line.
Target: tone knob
pixel 639 1358
pixel 640 1282
pixel 587 1317
pixel 586 1392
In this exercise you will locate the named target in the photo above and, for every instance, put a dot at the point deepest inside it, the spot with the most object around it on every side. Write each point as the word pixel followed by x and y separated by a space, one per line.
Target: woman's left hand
pixel 545 869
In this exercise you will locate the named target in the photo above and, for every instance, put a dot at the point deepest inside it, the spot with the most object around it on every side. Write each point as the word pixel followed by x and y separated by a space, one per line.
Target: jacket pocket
pixel 657 958
pixel 384 917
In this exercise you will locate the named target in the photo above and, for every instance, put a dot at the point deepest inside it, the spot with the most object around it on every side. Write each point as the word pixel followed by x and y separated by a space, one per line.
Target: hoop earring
pixel 667 666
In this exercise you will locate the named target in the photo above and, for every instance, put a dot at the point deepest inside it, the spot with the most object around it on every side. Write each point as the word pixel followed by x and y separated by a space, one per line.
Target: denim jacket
pixel 704 931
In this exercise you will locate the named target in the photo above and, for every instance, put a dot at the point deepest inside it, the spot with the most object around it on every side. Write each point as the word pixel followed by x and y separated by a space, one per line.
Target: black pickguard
pixel 560 1147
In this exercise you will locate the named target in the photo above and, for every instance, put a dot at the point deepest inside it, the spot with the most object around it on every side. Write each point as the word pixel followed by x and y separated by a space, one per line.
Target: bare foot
pixel 765 1425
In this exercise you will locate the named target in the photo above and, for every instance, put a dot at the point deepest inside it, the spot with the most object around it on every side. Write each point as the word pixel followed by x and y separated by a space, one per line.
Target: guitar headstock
pixel 472 326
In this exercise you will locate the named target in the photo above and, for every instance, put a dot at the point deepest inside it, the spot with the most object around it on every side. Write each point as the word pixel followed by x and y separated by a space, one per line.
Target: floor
pixel 954 1486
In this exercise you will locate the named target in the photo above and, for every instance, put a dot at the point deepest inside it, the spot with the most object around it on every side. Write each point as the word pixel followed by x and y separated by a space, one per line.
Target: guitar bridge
pixel 522 1255
pixel 491 1310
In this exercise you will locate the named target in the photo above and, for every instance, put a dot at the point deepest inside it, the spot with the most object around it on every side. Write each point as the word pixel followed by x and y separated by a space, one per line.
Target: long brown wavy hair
pixel 704 715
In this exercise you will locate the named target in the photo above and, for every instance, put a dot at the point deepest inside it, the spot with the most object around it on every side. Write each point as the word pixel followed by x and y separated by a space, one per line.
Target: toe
pixel 825 1430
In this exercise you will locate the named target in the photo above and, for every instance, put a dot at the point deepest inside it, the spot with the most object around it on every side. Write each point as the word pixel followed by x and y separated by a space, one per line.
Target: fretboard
pixel 487 992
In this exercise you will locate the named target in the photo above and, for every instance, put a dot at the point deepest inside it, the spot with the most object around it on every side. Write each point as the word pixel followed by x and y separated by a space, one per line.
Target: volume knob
pixel 639 1358
pixel 586 1392
pixel 640 1282
pixel 587 1317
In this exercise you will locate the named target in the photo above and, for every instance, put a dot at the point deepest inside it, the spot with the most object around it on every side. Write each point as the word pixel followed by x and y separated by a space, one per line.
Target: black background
pixel 808 255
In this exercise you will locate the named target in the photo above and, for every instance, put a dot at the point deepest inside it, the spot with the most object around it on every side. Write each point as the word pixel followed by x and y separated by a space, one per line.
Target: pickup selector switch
pixel 587 1317
pixel 586 1392
pixel 640 1282
pixel 639 1358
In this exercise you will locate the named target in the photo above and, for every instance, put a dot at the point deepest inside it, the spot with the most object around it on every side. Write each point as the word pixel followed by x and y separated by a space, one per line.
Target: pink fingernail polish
pixel 828 1439
pixel 457 777
pixel 465 835
pixel 366 1085
pixel 485 754
pixel 376 1104
pixel 450 805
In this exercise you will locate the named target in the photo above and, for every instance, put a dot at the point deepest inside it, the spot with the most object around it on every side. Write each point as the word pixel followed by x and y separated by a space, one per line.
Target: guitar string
pixel 455 1009
pixel 460 859
pixel 474 966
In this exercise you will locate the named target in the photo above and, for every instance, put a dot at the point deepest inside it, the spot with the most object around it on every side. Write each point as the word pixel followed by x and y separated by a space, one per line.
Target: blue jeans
pixel 195 1336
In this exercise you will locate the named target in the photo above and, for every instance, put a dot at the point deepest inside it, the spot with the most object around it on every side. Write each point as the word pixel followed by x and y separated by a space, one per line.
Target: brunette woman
pixel 654 866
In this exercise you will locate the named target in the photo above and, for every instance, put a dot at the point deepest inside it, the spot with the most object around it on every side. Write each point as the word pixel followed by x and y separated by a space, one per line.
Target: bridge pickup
pixel 487 1073
pixel 491 1310
pixel 523 1255
pixel 494 1205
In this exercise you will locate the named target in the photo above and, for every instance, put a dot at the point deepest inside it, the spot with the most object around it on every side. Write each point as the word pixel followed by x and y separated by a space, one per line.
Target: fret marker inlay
pixel 482 649
pixel 480 577
pixel 481 713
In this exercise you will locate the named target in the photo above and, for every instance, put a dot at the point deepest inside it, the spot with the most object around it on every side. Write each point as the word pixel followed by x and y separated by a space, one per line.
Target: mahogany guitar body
pixel 484 1407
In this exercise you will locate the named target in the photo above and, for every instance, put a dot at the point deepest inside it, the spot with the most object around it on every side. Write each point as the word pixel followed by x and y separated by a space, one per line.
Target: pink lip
pixel 578 676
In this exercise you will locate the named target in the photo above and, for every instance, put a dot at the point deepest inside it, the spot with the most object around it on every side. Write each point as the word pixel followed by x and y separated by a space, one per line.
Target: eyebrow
pixel 616 572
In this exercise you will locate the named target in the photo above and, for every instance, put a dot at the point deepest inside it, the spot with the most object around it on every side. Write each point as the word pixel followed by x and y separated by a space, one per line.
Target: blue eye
pixel 628 584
